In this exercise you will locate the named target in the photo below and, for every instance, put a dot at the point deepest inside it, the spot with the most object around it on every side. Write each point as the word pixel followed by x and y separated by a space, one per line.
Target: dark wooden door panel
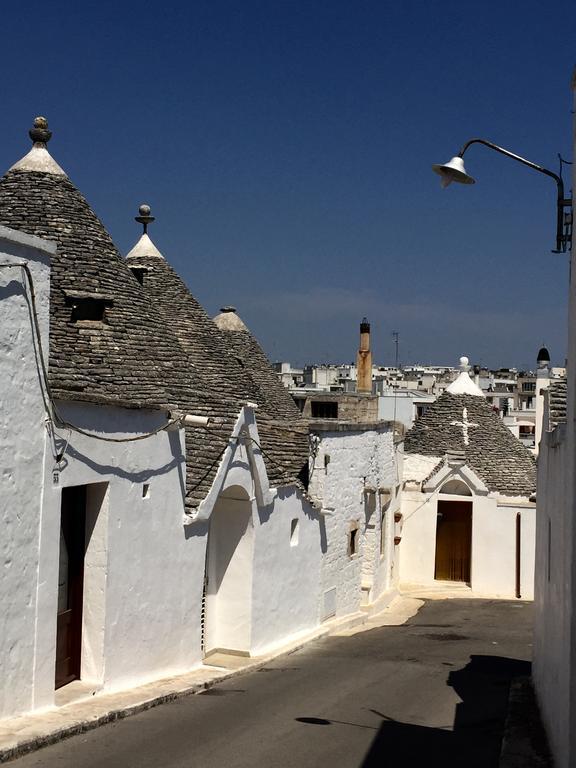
pixel 453 541
pixel 70 585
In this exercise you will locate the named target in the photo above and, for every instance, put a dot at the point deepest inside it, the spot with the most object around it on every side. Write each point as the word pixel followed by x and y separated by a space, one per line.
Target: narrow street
pixel 431 692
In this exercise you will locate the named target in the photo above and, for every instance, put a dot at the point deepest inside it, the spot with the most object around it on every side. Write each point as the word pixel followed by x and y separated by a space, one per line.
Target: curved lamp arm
pixel 563 238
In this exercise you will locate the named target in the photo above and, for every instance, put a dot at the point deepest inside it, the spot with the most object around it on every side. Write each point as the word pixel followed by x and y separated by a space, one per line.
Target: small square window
pixel 146 491
pixel 139 273
pixel 353 540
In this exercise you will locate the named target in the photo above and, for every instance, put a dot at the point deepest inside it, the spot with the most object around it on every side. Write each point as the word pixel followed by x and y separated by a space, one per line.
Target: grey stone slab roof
pixel 272 396
pixel 155 346
pixel 122 360
pixel 231 374
pixel 557 398
pixel 497 457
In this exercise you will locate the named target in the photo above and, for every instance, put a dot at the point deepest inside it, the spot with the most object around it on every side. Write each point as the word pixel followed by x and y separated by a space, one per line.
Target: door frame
pixel 452 501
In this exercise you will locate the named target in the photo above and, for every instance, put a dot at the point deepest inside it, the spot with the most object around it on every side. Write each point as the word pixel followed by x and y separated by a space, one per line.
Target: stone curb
pixel 32 743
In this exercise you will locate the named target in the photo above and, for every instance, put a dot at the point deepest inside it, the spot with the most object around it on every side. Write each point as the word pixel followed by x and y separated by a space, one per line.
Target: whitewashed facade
pixel 163 582
pixel 356 483
pixel 554 665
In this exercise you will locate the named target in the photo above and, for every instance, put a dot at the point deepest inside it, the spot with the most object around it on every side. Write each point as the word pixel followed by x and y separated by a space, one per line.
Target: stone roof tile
pixel 123 358
pixel 557 399
pixel 492 451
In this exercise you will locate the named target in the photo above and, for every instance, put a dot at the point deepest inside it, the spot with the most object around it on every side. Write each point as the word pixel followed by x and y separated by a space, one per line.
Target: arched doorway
pixel 453 541
pixel 228 609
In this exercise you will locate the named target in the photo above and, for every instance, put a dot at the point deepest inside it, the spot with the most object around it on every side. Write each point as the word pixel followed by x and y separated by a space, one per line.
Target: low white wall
pixel 286 585
pixel 22 437
pixel 493 569
pixel 418 545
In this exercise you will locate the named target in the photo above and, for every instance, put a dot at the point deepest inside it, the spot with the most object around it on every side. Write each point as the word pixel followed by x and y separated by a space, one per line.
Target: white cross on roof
pixel 465 424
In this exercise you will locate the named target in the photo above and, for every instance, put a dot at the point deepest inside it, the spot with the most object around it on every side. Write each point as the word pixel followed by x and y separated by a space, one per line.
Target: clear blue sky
pixel 285 148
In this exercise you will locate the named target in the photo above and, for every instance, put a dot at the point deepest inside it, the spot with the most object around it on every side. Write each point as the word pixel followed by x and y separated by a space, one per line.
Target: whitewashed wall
pixel 143 569
pixel 350 466
pixel 493 569
pixel 286 571
pixel 554 600
pixel 554 666
pixel 22 437
pixel 283 566
pixel 493 565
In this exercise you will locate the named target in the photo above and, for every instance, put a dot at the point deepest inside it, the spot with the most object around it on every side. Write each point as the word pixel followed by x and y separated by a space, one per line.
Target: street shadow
pixel 474 739
pixel 476 736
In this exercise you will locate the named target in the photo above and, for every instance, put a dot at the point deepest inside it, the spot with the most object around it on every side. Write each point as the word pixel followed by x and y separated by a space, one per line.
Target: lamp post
pixel 454 170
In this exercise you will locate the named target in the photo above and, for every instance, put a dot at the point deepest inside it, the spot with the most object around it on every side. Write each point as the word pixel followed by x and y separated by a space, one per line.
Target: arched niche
pixel 228 588
pixel 456 487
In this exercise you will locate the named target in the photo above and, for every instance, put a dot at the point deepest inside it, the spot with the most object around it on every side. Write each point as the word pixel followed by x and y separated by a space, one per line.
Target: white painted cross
pixel 464 424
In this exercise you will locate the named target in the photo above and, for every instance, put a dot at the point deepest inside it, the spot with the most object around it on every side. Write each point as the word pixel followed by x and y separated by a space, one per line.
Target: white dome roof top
pixel 463 384
pixel 144 247
pixel 228 320
pixel 39 159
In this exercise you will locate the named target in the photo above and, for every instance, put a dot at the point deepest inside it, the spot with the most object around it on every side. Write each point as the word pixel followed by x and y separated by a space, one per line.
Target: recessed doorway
pixel 70 584
pixel 453 541
pixel 228 602
pixel 82 572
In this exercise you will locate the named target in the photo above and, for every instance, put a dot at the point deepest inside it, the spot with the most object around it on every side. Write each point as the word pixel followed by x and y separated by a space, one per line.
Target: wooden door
pixel 453 541
pixel 70 584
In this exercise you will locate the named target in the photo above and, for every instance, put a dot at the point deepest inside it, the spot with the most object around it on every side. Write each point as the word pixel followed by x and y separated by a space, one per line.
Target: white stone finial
pixel 463 384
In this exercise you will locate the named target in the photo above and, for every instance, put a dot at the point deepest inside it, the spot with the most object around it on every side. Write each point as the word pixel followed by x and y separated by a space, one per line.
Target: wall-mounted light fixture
pixel 454 170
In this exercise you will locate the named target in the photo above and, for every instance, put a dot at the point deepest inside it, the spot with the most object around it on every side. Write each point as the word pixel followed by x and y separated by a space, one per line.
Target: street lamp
pixel 454 170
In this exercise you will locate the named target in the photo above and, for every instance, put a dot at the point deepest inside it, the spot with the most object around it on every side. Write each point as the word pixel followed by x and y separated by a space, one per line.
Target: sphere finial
pixel 39 133
pixel 464 364
pixel 144 218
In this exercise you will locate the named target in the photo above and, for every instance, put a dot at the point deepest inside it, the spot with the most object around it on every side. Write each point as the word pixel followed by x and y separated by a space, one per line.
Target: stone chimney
pixel 364 359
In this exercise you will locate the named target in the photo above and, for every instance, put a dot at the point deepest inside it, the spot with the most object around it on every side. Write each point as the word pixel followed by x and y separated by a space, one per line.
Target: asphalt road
pixel 432 692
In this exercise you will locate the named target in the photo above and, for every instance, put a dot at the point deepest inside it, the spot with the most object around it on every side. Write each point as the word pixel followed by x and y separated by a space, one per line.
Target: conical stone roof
pixel 126 357
pixel 464 423
pixel 271 394
pixel 228 382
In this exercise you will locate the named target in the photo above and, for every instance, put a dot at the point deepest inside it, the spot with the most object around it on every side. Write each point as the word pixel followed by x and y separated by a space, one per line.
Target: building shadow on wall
pixel 475 738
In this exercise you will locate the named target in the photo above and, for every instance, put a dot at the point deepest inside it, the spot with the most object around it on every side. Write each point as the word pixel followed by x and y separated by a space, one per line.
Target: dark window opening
pixel 300 403
pixel 88 309
pixel 353 542
pixel 324 410
pixel 139 273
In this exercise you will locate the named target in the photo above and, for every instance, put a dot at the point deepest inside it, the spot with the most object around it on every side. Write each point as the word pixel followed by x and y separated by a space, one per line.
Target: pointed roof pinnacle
pixel 144 218
pixel 228 320
pixel 39 159
pixel 39 133
pixel 463 384
pixel 144 247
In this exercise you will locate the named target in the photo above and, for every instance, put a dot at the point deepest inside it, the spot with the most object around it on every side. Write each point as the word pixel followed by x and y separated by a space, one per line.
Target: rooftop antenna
pixel 396 337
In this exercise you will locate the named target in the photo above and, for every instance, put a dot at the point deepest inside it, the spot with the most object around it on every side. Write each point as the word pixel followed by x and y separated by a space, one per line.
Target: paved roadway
pixel 432 692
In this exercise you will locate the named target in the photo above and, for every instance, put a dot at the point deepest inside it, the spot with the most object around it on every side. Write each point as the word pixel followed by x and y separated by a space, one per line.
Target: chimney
pixel 364 360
